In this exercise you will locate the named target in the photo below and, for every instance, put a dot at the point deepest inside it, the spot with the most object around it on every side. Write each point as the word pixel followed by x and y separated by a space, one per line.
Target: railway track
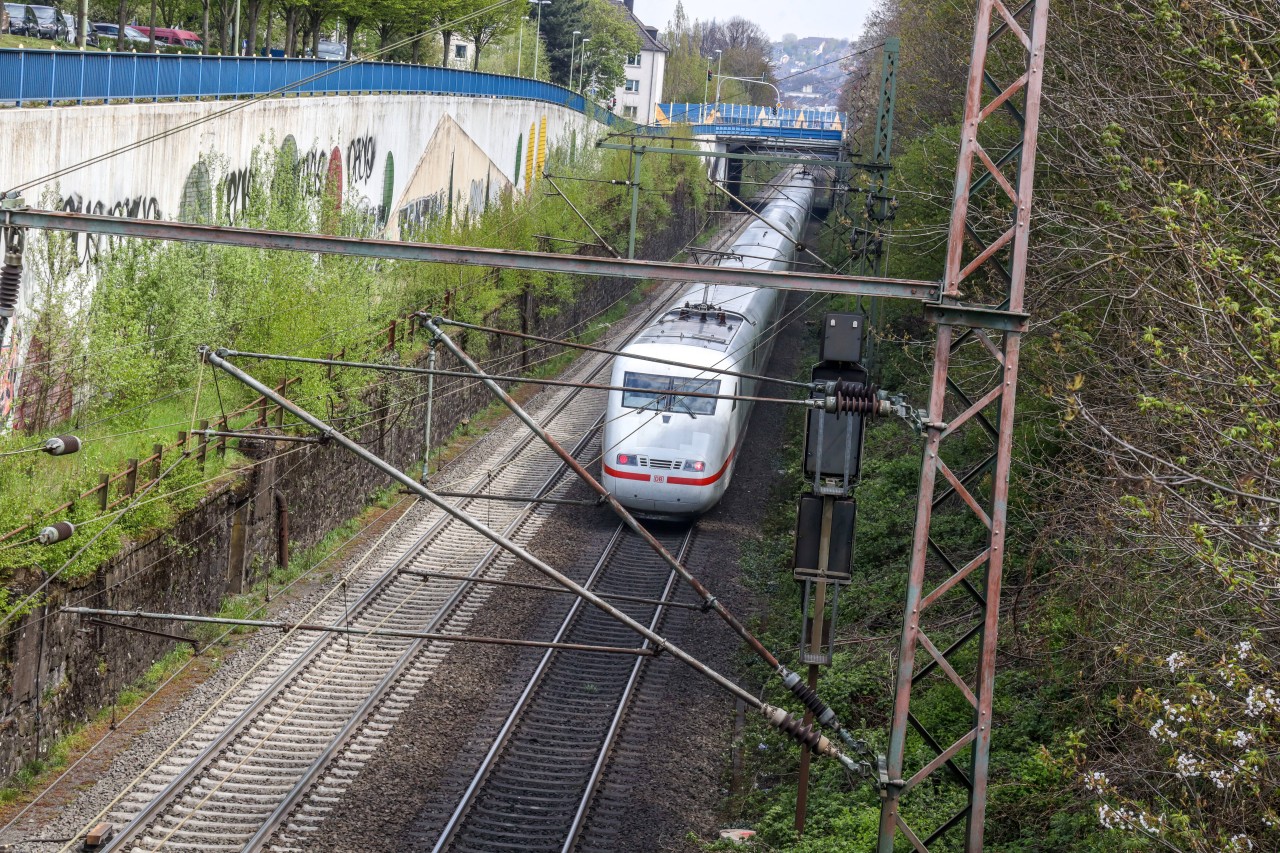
pixel 234 785
pixel 272 760
pixel 534 787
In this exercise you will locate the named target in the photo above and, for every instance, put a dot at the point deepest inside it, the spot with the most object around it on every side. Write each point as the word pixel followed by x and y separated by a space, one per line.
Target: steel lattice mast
pixel 946 583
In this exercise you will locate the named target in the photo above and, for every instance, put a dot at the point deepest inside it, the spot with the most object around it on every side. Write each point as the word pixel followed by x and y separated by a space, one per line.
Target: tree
pixel 122 20
pixel 746 51
pixel 388 17
pixel 484 28
pixel 686 71
pixel 613 37
pixel 559 19
pixel 442 16
pixel 353 13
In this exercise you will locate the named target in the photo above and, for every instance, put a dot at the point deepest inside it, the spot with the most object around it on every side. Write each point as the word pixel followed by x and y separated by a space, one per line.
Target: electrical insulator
pixel 62 445
pixel 10 283
pixel 59 531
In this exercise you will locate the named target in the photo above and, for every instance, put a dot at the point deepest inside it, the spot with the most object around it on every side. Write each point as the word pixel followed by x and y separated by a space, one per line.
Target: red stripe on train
pixel 674 481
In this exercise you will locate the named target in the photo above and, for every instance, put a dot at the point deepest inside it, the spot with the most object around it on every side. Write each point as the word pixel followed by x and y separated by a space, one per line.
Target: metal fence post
pixel 202 446
pixel 131 478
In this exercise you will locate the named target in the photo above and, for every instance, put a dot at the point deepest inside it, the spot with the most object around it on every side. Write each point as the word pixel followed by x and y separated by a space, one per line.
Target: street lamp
pixel 537 34
pixel 572 47
pixel 582 65
pixel 719 63
pixel 520 45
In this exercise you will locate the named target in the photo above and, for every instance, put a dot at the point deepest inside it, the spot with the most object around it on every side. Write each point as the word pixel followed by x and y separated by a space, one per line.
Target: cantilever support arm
pixel 775 716
pixel 822 712
pixel 478 256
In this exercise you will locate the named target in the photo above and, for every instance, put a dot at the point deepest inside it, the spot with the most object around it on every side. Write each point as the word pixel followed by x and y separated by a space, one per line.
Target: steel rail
pixel 166 795
pixel 281 813
pixel 777 717
pixel 822 712
pixel 536 678
pixel 486 765
pixel 920 291
pixel 615 725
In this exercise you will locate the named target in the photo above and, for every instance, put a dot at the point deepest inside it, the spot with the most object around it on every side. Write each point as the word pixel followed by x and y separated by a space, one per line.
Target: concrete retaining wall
pixel 374 144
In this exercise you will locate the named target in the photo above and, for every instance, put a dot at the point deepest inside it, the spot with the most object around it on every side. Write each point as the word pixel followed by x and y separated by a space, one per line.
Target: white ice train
pixel 667 455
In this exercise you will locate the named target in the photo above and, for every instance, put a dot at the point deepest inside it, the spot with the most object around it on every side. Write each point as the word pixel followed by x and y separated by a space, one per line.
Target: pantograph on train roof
pixel 711 328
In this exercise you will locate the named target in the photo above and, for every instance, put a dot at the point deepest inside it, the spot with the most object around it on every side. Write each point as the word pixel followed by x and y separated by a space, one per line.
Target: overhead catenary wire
pixel 605 351
pixel 559 383
pixel 779 718
pixel 302 577
pixel 21 605
pixel 822 712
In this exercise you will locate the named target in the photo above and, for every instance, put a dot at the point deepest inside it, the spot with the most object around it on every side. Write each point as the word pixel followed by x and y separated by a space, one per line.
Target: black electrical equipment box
pixel 809 522
pixel 841 338
pixel 839 431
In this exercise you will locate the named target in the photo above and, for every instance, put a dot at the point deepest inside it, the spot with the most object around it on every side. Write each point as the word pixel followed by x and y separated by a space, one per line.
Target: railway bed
pixel 275 760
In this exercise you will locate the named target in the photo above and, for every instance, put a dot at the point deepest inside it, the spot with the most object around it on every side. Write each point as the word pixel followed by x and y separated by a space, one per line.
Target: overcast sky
pixel 839 18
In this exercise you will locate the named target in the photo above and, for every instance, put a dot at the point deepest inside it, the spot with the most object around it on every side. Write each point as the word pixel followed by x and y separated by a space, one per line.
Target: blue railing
pixel 65 76
pixel 750 115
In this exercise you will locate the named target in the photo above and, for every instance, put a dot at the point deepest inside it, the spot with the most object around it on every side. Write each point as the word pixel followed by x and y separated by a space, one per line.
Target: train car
pixel 668 455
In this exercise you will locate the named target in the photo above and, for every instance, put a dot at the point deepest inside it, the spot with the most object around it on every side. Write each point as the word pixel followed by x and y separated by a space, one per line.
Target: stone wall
pixel 61 670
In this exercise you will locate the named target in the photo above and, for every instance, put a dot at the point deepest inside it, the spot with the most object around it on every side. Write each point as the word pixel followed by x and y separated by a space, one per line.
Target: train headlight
pixel 628 459
pixel 695 465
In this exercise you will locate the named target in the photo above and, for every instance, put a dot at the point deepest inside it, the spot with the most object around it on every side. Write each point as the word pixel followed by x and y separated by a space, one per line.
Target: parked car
pixel 90 38
pixel 112 31
pixel 46 22
pixel 332 50
pixel 16 14
pixel 174 38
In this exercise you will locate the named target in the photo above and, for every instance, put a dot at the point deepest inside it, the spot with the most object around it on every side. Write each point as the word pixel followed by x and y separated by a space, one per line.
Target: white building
pixel 461 52
pixel 636 98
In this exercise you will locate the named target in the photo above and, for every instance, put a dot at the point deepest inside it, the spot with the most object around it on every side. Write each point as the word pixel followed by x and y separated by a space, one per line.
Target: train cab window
pixel 666 393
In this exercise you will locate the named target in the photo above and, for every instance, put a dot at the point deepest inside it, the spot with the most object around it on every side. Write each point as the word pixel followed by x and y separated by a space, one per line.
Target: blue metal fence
pixel 64 76
pixel 766 121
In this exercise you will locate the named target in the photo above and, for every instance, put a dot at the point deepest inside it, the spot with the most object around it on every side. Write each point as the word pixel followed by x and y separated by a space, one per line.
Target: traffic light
pixel 708 75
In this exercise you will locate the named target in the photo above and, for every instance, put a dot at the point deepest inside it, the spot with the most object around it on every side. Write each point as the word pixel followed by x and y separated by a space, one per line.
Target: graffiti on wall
pixel 134 207
pixel 362 152
pixel 9 377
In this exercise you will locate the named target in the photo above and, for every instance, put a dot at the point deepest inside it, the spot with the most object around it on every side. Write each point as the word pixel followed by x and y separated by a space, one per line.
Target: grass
pixel 33 43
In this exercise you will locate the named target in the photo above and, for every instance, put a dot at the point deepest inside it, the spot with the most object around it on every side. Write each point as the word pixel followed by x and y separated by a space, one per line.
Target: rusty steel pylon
pixel 981 307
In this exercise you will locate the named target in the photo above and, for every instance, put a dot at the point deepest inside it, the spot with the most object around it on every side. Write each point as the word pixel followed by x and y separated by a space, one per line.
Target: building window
pixel 633 59
pixel 459 51
pixel 632 85
pixel 629 112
